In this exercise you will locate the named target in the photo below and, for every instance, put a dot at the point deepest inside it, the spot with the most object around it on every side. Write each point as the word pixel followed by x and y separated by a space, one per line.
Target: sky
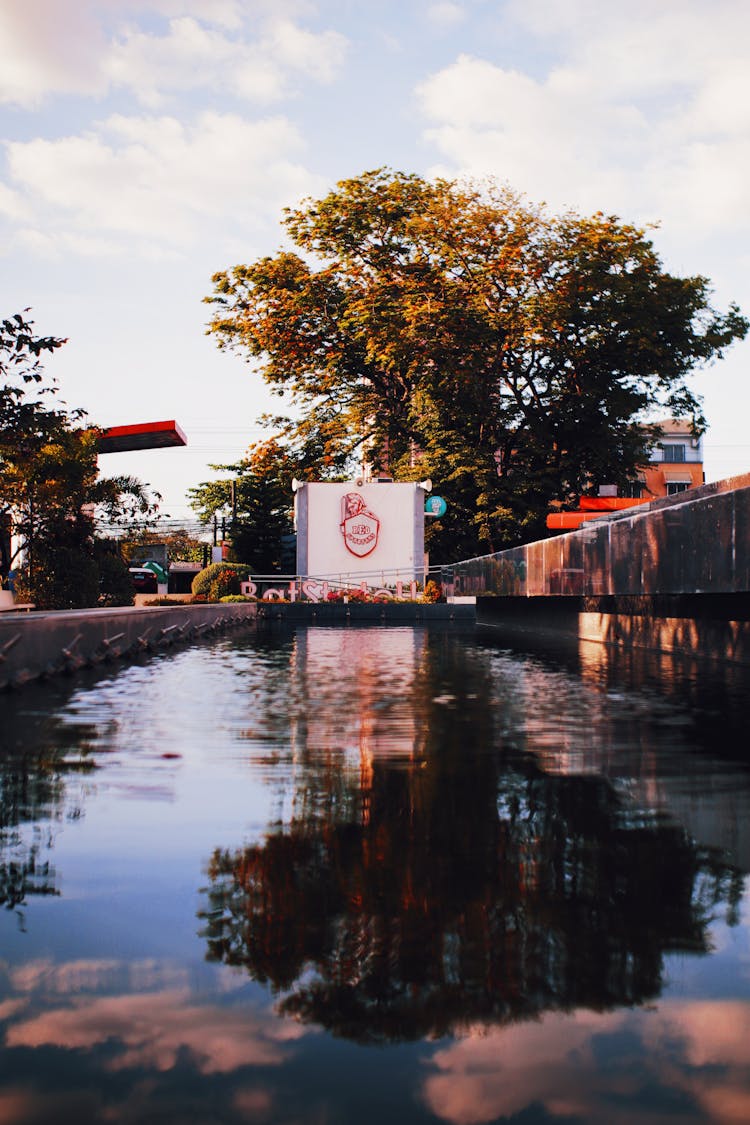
pixel 147 144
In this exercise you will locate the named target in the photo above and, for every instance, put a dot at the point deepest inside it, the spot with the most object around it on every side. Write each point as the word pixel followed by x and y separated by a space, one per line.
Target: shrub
pixel 115 584
pixel 230 599
pixel 433 591
pixel 227 581
pixel 205 578
pixel 352 595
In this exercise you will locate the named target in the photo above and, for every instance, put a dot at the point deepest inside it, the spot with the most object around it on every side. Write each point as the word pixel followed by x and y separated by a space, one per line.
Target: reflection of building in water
pixel 358 685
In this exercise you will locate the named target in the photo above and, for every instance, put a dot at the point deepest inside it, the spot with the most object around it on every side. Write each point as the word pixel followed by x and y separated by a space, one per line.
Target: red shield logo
pixel 359 526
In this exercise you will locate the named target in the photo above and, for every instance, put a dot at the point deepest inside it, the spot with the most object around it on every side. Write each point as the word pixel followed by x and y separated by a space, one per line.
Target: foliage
pixel 349 595
pixel 115 584
pixel 226 582
pixel 181 545
pixel 234 599
pixel 50 490
pixel 433 591
pixel 203 583
pixel 455 331
pixel 258 494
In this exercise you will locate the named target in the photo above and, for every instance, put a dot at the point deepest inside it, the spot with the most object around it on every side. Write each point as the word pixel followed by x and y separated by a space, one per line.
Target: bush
pixel 230 599
pixel 433 591
pixel 226 582
pixel 115 583
pixel 63 578
pixel 205 578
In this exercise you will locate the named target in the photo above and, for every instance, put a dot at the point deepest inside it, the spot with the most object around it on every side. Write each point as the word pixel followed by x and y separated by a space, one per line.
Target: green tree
pixel 181 545
pixel 50 490
pixel 509 353
pixel 256 500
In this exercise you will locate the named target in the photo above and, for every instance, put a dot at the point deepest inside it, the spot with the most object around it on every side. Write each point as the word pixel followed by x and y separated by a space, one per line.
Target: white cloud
pixel 551 139
pixel 648 116
pixel 189 56
pixel 12 205
pixel 318 56
pixel 446 15
pixel 250 50
pixel 192 56
pixel 699 1050
pixel 155 183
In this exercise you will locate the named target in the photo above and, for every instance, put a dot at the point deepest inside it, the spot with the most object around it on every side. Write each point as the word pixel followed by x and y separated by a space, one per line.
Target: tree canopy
pixel 457 331
pixel 50 488
pixel 257 499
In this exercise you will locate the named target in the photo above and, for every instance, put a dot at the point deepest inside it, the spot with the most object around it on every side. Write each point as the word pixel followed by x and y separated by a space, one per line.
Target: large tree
pixel 507 352
pixel 50 489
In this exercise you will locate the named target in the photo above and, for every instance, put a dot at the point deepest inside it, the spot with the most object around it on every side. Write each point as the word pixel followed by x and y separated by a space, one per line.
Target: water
pixel 362 874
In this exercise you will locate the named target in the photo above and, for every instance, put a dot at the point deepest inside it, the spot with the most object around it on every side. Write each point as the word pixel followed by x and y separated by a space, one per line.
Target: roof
pixel 142 435
pixel 673 426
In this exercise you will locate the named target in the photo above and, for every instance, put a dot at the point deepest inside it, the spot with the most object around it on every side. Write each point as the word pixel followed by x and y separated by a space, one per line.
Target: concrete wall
pixel 697 542
pixel 673 575
pixel 37 645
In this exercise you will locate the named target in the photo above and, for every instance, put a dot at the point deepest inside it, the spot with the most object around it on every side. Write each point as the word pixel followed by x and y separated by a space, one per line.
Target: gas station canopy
pixel 143 435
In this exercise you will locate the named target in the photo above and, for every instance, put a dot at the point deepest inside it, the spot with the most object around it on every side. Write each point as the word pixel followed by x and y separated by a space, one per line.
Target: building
pixel 676 464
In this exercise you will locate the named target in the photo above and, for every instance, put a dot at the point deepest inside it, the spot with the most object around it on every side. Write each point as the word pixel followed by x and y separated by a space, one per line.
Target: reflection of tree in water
pixel 468 887
pixel 34 796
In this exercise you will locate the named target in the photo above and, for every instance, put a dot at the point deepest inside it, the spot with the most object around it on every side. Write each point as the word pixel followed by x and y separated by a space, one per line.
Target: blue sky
pixel 148 143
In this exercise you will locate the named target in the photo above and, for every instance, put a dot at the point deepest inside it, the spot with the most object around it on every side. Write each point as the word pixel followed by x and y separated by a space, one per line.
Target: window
pixel 633 490
pixel 673 452
pixel 675 486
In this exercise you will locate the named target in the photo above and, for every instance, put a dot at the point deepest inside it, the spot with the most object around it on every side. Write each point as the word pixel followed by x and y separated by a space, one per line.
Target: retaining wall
pixel 672 575
pixel 37 645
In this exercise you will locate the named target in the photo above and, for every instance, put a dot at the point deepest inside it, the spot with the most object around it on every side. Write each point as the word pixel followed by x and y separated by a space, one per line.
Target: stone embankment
pixel 39 645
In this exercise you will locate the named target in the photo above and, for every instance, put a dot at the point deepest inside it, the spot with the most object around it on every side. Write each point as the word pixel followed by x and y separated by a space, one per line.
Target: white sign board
pixel 369 531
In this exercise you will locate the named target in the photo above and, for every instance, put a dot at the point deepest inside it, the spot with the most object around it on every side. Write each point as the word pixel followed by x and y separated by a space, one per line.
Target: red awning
pixel 142 435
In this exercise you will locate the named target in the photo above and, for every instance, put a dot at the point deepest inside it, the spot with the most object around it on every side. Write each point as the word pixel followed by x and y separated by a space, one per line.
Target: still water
pixel 377 874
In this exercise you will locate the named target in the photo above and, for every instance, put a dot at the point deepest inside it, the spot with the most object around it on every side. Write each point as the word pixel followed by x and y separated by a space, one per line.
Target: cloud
pixel 149 1013
pixel 12 204
pixel 154 182
pixel 697 1051
pixel 641 110
pixel 76 977
pixel 192 56
pixel 446 15
pixel 251 51
pixel 152 1030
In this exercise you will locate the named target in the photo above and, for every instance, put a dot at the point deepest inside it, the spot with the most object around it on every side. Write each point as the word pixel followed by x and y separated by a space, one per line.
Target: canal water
pixel 335 875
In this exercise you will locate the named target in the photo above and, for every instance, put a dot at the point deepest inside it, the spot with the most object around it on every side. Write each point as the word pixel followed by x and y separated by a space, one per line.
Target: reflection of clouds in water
pixel 149 1029
pixel 76 977
pixel 152 1030
pixel 697 1051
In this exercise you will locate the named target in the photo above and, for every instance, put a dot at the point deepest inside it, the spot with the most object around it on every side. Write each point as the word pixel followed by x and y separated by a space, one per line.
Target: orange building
pixel 676 464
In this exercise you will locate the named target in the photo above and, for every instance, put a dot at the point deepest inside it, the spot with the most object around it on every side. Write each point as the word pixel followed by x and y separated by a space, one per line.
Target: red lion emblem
pixel 358 525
